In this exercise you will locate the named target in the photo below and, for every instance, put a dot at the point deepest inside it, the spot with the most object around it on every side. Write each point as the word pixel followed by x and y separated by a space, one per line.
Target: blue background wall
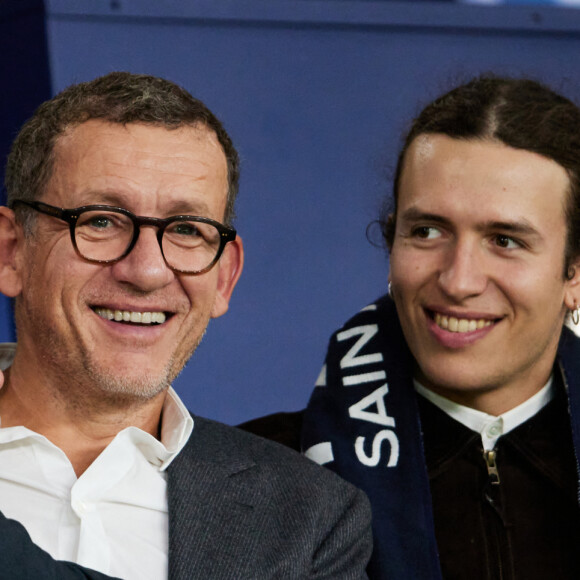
pixel 316 95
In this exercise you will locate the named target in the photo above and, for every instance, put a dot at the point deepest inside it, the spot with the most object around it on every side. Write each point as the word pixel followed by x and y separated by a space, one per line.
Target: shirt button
pixel 80 507
pixel 494 431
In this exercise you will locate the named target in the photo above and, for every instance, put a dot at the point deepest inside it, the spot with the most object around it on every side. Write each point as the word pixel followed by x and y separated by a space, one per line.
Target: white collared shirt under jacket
pixel 114 517
pixel 491 428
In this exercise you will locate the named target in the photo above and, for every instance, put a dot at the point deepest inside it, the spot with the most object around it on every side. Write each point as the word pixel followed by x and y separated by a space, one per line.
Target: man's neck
pixel 493 400
pixel 82 427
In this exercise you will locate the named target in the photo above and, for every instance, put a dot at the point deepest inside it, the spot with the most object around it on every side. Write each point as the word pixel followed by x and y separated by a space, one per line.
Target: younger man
pixel 454 401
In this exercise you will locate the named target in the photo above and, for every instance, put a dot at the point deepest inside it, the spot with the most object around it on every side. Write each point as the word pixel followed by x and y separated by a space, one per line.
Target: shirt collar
pixel 176 427
pixel 489 427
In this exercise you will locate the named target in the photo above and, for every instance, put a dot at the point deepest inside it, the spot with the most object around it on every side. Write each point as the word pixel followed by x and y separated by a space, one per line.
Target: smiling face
pixel 477 268
pixel 64 307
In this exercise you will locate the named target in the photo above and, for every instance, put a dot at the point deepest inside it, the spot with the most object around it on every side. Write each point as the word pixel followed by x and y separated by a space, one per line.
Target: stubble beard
pixel 78 378
pixel 134 388
pixel 143 387
pixel 84 383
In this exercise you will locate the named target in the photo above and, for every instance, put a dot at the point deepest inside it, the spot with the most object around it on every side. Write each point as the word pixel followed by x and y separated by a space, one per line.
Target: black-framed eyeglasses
pixel 105 234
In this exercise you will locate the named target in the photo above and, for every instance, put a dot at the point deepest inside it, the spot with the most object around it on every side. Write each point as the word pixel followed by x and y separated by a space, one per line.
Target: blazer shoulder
pixel 284 467
pixel 292 511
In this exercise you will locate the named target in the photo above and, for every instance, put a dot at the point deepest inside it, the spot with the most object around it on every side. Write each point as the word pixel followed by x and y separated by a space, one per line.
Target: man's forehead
pixel 483 181
pixel 445 150
pixel 102 162
pixel 100 128
pixel 173 150
pixel 485 160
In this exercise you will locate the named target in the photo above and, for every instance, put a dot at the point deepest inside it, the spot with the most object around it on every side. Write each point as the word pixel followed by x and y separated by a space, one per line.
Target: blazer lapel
pixel 215 497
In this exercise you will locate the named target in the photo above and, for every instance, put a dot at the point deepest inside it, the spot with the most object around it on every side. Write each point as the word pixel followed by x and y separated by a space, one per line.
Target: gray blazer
pixel 243 507
pixel 239 507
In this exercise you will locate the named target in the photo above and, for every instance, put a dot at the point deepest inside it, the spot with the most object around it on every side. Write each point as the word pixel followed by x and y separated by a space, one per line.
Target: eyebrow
pixel 521 227
pixel 414 214
pixel 177 207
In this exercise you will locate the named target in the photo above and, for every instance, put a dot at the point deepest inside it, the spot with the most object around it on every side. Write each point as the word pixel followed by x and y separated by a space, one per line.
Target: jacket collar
pixel 214 498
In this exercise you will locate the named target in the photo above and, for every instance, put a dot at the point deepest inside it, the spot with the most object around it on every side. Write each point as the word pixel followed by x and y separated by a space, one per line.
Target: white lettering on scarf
pixel 372 407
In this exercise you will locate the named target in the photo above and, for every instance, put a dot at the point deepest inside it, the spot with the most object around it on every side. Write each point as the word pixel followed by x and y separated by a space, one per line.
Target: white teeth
pixel 460 324
pixel 158 317
pixel 131 316
pixel 463 325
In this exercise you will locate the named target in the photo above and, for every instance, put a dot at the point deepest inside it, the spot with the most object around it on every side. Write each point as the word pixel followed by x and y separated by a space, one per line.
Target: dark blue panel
pixel 318 13
pixel 316 95
pixel 25 81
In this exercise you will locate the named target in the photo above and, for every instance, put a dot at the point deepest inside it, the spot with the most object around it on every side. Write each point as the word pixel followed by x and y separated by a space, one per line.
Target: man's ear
pixel 229 271
pixel 11 239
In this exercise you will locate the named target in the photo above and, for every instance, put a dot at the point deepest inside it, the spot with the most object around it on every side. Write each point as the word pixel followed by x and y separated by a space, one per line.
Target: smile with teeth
pixel 131 316
pixel 453 324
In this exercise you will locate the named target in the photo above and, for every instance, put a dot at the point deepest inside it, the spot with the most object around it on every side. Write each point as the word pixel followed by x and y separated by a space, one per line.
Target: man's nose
pixel 463 271
pixel 145 267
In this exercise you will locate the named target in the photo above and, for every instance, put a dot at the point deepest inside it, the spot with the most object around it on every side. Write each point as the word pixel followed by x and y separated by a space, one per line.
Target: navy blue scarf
pixel 362 421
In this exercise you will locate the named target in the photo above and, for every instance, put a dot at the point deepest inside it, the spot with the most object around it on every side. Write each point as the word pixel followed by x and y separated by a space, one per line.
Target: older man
pixel 118 248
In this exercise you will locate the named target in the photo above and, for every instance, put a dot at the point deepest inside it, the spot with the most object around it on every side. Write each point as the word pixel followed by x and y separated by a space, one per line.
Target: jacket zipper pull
pixel 490 457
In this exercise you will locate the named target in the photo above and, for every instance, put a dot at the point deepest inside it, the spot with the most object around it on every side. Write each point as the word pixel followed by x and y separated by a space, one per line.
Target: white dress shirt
pixel 114 517
pixel 489 427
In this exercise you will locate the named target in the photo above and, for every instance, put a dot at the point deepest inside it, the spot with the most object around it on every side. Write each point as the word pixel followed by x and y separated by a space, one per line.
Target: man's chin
pixel 122 376
pixel 138 384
